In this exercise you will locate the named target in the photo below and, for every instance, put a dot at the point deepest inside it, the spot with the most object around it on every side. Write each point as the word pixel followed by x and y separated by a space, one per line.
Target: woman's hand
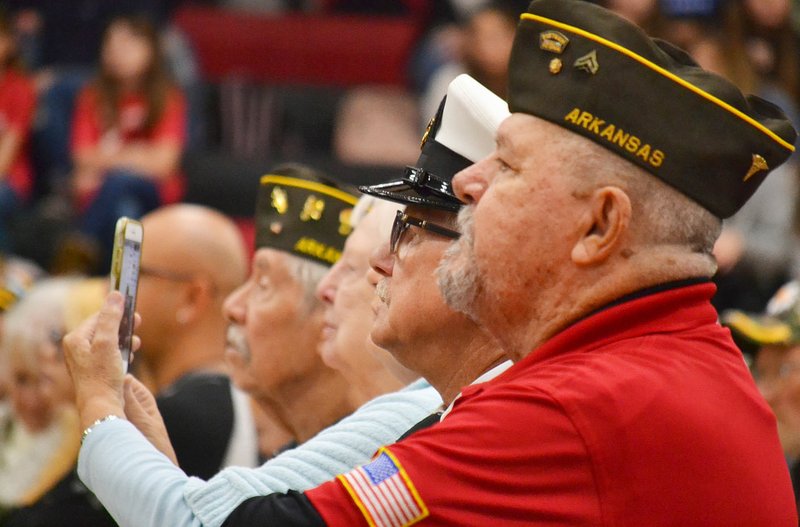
pixel 142 411
pixel 94 362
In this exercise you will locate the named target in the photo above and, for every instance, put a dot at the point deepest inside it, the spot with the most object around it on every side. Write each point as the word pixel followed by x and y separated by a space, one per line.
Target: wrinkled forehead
pixel 270 262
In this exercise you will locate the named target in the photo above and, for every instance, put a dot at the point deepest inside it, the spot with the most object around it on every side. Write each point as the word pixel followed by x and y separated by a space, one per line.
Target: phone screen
pixel 128 281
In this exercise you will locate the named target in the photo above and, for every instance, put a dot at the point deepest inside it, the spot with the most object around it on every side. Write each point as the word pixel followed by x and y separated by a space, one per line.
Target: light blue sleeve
pixel 142 488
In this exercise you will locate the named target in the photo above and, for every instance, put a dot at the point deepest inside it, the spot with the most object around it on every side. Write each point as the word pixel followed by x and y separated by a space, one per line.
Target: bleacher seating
pixel 330 50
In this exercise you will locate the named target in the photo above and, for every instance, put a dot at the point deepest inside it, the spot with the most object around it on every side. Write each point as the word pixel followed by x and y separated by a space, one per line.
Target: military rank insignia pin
pixel 588 63
pixel 553 41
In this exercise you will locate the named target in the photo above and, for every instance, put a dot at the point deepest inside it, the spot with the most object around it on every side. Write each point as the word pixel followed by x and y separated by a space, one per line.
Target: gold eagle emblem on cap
pixel 280 200
pixel 345 222
pixel 312 209
pixel 758 164
pixel 553 41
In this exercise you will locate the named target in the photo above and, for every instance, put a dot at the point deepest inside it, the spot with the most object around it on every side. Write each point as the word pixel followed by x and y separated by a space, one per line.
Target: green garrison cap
pixel 779 326
pixel 582 67
pixel 302 214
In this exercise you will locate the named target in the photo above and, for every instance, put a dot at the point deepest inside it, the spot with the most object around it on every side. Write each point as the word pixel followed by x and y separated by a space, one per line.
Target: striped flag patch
pixel 384 493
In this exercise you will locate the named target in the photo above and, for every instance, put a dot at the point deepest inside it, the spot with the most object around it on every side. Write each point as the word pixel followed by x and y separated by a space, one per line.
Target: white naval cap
pixel 461 133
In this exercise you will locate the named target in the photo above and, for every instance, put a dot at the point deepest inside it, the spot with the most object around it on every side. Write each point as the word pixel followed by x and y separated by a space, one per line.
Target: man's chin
pixel 380 334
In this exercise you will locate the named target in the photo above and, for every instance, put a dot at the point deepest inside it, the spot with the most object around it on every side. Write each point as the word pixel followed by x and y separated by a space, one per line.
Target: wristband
pixel 110 417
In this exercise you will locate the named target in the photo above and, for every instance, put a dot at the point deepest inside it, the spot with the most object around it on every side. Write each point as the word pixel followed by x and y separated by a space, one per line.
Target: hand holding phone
pixel 125 278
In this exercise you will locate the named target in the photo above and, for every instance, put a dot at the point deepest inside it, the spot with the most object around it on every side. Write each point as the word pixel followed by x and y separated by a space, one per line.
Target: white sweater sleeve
pixel 140 487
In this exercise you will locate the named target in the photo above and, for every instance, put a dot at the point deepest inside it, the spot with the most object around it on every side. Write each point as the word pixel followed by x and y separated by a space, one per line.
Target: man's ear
pixel 605 223
pixel 197 295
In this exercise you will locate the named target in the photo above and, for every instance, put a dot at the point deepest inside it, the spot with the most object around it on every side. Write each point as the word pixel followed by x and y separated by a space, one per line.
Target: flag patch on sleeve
pixel 384 493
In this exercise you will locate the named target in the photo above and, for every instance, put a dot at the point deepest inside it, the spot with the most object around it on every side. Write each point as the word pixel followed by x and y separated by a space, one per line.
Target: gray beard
pixel 457 273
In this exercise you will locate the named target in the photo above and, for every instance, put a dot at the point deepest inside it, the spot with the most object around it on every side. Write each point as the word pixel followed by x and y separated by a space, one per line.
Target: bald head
pixel 195 240
pixel 192 258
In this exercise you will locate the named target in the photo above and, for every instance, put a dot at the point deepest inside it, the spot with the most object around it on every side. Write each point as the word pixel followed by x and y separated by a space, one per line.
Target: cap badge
pixel 555 66
pixel 553 41
pixel 345 225
pixel 588 63
pixel 312 209
pixel 783 301
pixel 427 132
pixel 280 201
pixel 759 164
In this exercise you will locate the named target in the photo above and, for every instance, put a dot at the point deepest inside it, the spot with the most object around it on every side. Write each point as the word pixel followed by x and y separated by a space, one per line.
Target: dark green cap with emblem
pixel 590 71
pixel 303 213
pixel 778 326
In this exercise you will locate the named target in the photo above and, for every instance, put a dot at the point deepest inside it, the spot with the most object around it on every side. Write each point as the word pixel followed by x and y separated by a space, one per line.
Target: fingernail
pixel 115 298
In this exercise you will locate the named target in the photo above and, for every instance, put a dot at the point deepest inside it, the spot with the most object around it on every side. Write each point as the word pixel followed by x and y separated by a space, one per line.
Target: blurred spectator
pixel 377 126
pixel 482 51
pixel 16 277
pixel 756 246
pixel 128 133
pixel 192 258
pixel 771 46
pixel 38 457
pixel 643 13
pixel 17 104
pixel 776 364
pixel 68 34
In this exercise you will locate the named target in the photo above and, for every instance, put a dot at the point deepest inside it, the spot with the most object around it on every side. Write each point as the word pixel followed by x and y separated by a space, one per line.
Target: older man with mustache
pixel 160 490
pixel 590 259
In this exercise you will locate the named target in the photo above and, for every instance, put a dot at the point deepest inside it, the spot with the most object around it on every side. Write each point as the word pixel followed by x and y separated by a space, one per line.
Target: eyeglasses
pixel 165 275
pixel 403 221
pixel 174 276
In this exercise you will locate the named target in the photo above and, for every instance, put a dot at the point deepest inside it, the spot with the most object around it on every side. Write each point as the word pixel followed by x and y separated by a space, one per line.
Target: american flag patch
pixel 384 492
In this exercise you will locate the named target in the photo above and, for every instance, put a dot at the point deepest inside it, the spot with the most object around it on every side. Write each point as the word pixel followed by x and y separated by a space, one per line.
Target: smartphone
pixel 125 262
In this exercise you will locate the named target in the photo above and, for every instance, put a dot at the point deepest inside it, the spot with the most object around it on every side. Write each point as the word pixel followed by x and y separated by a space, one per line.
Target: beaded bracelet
pixel 110 417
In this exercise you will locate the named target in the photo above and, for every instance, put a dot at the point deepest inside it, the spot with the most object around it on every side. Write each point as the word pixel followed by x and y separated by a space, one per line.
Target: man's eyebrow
pixel 503 139
pixel 261 264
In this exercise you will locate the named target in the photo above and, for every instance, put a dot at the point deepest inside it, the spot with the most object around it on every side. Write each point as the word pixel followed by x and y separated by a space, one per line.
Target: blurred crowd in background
pixel 125 107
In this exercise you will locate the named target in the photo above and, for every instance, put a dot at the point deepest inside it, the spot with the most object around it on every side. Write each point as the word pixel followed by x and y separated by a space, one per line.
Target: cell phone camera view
pixel 125 278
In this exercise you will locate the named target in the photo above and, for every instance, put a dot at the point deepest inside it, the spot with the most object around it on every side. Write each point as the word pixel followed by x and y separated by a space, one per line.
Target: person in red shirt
pixel 17 105
pixel 586 251
pixel 128 132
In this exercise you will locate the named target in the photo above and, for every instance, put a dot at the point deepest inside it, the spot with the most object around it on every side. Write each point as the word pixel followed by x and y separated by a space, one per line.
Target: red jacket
pixel 642 414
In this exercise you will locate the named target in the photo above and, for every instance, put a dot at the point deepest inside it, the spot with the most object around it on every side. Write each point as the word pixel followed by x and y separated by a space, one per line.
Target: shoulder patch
pixel 384 493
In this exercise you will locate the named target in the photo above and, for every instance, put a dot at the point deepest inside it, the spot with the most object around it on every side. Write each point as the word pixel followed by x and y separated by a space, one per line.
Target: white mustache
pixel 382 290
pixel 466 223
pixel 236 339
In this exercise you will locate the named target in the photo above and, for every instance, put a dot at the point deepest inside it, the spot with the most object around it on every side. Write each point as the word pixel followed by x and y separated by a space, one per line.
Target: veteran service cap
pixel 779 326
pixel 300 213
pixel 583 67
pixel 462 132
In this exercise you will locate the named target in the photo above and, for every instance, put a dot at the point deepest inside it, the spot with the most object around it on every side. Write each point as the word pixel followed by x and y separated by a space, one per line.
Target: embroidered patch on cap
pixel 384 493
